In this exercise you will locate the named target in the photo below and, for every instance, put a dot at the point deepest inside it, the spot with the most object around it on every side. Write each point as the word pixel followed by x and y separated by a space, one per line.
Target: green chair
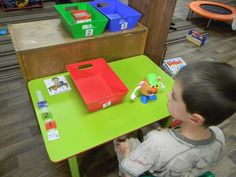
pixel 206 174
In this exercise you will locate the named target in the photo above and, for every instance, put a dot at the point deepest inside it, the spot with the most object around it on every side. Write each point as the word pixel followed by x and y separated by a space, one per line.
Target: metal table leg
pixel 190 12
pixel 209 22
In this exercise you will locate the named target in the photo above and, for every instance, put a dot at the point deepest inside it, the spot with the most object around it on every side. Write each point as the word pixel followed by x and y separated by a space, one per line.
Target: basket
pixel 85 29
pixel 120 15
pixel 97 83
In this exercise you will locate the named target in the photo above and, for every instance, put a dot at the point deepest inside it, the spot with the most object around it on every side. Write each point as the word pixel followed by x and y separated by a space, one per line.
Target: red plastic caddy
pixel 97 83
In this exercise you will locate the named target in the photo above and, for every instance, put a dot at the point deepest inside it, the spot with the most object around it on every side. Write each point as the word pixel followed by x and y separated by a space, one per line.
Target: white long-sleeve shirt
pixel 168 154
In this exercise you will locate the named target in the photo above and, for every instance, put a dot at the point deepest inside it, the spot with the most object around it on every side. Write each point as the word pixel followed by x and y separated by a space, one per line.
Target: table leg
pixel 74 169
pixel 208 24
pixel 189 14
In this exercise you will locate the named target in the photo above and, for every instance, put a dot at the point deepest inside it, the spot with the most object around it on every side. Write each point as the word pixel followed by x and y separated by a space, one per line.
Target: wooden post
pixel 157 16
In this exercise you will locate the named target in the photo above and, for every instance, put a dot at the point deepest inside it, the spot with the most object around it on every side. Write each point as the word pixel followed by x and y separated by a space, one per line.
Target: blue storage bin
pixel 120 15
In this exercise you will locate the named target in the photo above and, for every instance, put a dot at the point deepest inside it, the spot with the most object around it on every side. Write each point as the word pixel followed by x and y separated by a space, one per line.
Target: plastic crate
pixel 120 15
pixel 97 83
pixel 90 28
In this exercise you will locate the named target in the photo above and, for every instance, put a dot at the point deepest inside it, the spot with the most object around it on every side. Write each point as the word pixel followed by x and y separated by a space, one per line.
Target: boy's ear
pixel 197 119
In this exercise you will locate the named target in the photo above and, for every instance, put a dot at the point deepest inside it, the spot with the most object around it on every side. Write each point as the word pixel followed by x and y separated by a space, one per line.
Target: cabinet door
pixel 157 15
pixel 52 60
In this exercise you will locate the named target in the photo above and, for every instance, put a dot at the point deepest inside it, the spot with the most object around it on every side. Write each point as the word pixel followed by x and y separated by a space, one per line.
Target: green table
pixel 80 130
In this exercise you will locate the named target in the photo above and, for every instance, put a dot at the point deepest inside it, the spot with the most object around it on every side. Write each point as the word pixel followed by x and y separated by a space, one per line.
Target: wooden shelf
pixel 44 48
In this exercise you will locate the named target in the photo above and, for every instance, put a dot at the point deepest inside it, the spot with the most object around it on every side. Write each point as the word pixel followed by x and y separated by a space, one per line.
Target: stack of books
pixel 173 65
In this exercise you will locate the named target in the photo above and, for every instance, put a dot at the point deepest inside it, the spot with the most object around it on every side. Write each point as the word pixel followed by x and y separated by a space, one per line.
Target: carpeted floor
pixel 9 67
pixel 182 28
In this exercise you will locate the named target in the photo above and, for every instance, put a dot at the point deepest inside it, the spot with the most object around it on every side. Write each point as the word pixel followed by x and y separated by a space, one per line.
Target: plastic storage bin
pixel 120 15
pixel 97 83
pixel 93 28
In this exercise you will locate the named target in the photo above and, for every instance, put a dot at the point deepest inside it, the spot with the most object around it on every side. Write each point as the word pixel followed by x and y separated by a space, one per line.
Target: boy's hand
pixel 123 147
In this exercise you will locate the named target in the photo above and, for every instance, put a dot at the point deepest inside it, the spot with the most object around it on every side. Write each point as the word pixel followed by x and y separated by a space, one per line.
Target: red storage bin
pixel 97 83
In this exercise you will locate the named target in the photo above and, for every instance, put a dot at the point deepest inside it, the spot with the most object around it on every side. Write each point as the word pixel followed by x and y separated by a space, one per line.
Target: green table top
pixel 80 130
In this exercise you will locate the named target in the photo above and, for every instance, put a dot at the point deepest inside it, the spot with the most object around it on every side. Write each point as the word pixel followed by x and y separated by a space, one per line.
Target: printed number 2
pixel 89 32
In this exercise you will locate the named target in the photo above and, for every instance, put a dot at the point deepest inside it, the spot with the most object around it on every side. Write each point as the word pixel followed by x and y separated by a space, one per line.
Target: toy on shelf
pixel 20 4
pixel 196 38
pixel 81 16
pixel 148 88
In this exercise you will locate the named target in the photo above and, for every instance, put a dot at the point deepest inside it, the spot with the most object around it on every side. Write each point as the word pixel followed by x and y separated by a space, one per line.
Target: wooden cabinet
pixel 157 16
pixel 44 48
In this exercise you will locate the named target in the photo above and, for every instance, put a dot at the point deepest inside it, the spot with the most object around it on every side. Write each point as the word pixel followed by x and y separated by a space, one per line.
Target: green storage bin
pixel 81 30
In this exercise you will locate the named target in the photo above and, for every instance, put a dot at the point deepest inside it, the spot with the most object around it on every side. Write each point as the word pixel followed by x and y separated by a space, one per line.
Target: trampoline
pixel 212 11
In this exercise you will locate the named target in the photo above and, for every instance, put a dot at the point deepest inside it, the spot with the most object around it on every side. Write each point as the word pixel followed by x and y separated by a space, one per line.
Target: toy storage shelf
pixel 42 51
pixel 5 7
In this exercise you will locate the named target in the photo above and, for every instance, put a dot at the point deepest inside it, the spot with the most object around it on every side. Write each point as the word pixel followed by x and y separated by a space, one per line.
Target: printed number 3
pixel 124 26
pixel 89 32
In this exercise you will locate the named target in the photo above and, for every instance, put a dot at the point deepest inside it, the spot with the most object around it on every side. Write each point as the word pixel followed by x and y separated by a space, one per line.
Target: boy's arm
pixel 124 150
pixel 135 159
pixel 127 175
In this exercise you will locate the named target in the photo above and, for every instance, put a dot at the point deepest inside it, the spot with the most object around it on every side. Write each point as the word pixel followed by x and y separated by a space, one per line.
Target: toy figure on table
pixel 148 88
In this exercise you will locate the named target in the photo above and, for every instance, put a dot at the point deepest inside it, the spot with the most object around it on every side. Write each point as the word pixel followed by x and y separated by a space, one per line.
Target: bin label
pixel 123 24
pixel 106 104
pixel 53 135
pixel 89 32
pixel 87 26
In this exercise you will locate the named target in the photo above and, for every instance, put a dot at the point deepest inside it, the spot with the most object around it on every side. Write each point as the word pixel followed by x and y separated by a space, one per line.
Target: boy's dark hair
pixel 209 89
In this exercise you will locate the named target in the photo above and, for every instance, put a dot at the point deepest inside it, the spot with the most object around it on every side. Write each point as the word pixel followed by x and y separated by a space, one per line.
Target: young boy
pixel 203 95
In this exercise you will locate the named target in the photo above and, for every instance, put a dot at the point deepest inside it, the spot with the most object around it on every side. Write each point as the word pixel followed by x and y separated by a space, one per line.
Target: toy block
pixel 81 16
pixel 51 124
pixel 46 115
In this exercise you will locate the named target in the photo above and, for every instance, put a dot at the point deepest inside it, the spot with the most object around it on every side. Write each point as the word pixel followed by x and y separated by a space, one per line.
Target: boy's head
pixel 206 89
